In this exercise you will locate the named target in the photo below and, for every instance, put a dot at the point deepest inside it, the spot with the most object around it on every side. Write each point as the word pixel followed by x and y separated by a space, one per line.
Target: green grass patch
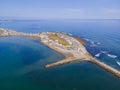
pixel 60 40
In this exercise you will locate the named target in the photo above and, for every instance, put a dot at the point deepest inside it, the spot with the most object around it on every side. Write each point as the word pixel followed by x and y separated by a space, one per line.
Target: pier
pixel 106 67
pixel 71 47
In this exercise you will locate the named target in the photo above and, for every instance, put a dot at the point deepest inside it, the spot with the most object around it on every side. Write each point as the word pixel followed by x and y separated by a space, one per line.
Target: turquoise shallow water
pixel 22 60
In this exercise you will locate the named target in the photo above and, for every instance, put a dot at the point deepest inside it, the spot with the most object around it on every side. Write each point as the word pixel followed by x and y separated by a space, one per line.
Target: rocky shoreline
pixel 73 51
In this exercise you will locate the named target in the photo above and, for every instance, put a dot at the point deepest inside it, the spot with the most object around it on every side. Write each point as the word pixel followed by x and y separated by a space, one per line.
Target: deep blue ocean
pixel 22 60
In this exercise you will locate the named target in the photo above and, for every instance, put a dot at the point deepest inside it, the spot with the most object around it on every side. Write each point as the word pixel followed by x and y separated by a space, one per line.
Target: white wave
pixel 93 43
pixel 87 39
pixel 112 56
pixel 101 52
pixel 118 63
pixel 104 52
pixel 97 55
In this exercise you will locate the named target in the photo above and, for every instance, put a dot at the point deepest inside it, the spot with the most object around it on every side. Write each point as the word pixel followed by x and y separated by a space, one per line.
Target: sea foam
pixel 106 53
pixel 118 63
pixel 111 55
pixel 98 54
pixel 92 43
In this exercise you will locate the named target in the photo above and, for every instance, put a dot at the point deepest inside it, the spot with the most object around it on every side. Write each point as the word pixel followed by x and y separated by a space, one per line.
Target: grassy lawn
pixel 1 31
pixel 60 40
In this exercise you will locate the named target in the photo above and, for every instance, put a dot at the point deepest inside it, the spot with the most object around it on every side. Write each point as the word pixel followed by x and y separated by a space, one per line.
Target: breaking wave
pixel 92 43
pixel 118 63
pixel 111 55
pixel 98 55
pixel 101 52
pixel 106 53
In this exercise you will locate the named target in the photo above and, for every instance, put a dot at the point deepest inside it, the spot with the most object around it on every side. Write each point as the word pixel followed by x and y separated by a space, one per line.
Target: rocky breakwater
pixel 71 47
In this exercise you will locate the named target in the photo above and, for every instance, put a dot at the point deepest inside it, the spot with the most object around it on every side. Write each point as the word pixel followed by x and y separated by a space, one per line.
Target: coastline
pixel 68 59
pixel 70 55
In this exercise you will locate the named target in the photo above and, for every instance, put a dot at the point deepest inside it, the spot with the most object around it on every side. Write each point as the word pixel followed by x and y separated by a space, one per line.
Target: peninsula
pixel 71 47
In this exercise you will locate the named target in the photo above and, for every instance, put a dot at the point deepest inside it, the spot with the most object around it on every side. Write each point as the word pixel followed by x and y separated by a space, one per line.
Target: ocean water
pixel 22 60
